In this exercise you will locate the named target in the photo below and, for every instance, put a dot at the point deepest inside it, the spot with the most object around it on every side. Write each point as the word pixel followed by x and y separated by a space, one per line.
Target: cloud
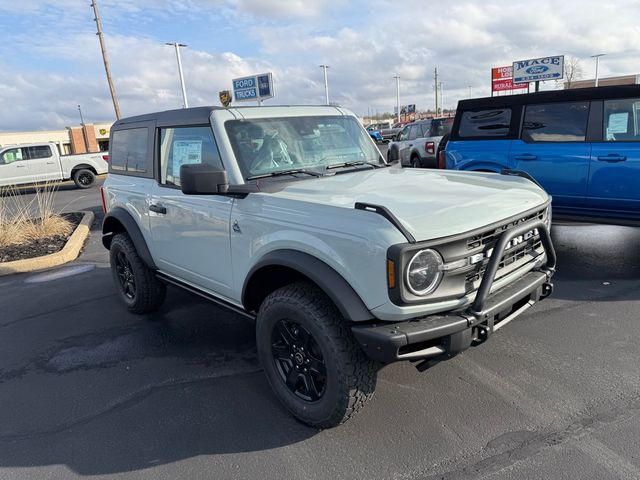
pixel 287 8
pixel 46 72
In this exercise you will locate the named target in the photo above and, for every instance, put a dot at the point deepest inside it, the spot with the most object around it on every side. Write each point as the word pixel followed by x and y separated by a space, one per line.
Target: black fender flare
pixel 330 282
pixel 83 166
pixel 118 220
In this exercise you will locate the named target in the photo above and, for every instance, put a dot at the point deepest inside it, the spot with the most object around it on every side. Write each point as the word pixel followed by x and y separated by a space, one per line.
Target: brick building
pixel 78 139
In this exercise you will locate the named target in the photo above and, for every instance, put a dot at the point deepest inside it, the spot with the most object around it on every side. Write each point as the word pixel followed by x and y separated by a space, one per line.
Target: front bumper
pixel 444 335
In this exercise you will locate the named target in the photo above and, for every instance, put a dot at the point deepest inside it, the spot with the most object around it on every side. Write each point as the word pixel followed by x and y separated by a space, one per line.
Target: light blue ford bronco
pixel 290 216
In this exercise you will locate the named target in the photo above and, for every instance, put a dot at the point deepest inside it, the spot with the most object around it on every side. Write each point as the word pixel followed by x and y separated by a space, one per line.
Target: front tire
pixel 392 155
pixel 310 357
pixel 84 178
pixel 136 283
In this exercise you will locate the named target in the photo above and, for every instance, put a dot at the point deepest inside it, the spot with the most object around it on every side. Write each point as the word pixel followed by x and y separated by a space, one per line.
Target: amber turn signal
pixel 391 274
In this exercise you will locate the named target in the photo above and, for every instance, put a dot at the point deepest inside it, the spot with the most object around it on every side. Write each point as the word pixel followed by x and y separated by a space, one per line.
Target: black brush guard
pixel 440 336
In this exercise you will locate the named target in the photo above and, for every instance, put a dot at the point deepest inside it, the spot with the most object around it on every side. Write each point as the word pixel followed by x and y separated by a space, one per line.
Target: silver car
pixel 416 145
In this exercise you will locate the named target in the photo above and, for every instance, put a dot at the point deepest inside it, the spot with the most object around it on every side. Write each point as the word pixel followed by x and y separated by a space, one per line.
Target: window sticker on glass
pixel 617 124
pixel 186 152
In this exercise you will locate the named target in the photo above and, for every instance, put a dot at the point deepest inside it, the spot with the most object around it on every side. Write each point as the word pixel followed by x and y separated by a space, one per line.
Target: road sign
pixel 501 80
pixel 255 87
pixel 538 69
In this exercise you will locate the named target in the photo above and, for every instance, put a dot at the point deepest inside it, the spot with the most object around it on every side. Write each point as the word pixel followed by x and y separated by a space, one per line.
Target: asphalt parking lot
pixel 87 389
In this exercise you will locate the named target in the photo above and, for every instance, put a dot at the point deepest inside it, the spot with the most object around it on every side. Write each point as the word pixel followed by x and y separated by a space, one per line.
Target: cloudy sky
pixel 50 56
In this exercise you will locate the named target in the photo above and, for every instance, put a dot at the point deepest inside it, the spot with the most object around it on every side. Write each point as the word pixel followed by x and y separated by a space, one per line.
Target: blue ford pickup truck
pixel 582 146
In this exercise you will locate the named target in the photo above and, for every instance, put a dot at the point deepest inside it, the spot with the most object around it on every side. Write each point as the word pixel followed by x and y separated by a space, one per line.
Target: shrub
pixel 25 221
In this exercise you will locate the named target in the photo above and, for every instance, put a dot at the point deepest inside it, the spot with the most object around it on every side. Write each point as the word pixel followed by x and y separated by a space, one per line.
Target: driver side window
pixel 10 156
pixel 186 145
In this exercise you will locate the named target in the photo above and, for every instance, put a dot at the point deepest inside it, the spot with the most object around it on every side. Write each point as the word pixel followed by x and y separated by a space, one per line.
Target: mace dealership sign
pixel 501 80
pixel 256 88
pixel 538 69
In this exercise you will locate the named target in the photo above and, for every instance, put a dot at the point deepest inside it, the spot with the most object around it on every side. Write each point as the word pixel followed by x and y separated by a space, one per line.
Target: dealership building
pixel 78 139
pixel 605 82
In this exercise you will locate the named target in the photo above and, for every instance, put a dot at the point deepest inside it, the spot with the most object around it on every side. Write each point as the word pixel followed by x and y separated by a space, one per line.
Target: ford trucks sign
pixel 256 87
pixel 538 69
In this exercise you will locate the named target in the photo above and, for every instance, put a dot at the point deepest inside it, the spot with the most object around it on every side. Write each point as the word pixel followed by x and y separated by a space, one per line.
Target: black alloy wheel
pixel 298 360
pixel 85 178
pixel 126 275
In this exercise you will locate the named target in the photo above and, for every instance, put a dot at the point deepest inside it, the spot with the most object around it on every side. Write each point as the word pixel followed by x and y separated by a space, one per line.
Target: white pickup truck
pixel 40 162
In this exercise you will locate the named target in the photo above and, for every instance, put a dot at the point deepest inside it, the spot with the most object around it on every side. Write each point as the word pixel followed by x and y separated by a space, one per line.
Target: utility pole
pixel 397 77
pixel 326 83
pixel 184 91
pixel 105 59
pixel 436 87
pixel 597 57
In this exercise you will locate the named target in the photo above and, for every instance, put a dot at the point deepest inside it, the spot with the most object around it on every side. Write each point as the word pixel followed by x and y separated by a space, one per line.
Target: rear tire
pixel 310 357
pixel 415 162
pixel 83 178
pixel 136 283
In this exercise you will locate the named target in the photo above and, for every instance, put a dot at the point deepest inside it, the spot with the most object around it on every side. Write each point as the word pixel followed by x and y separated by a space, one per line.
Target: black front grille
pixel 491 236
pixel 486 241
pixel 511 256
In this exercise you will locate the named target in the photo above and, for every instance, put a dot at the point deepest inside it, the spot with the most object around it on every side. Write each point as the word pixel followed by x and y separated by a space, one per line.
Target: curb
pixel 69 252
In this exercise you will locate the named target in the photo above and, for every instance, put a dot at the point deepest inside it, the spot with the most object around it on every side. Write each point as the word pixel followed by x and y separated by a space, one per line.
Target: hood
pixel 429 203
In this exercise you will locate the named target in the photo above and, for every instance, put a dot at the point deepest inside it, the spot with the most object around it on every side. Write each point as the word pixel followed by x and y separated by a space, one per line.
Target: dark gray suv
pixel 416 145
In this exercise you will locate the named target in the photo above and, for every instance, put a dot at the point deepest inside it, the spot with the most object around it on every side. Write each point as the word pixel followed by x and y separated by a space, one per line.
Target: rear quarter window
pixel 129 151
pixel 485 123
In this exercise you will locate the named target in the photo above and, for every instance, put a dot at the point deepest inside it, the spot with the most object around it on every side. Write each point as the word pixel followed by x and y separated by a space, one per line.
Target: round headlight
pixel 424 272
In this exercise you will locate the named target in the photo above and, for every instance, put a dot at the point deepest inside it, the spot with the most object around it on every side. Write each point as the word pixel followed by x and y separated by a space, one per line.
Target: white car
pixel 40 162
pixel 290 216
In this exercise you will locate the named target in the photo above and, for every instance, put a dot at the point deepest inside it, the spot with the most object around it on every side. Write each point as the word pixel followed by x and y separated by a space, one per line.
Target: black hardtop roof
pixel 573 94
pixel 193 115
pixel 187 116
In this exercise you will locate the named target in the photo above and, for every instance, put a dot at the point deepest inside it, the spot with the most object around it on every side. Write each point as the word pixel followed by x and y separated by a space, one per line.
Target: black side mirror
pixel 203 179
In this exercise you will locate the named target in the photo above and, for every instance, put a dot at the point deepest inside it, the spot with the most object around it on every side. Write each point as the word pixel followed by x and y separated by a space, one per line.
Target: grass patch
pixel 23 221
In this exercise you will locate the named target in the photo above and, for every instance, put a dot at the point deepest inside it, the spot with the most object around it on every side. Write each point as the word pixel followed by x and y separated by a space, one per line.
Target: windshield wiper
pixel 284 172
pixel 355 164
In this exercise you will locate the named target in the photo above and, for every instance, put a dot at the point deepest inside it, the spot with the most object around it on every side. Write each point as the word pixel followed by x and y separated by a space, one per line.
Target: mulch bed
pixel 38 248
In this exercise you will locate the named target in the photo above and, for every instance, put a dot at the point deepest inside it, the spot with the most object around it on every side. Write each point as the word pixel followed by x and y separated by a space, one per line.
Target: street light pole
pixel 397 77
pixel 597 57
pixel 184 91
pixel 326 83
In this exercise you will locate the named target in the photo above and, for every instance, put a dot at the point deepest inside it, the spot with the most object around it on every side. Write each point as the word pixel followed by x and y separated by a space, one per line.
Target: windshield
pixel 271 145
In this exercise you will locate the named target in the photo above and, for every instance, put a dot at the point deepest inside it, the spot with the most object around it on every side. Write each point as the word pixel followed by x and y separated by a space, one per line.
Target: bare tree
pixel 572 72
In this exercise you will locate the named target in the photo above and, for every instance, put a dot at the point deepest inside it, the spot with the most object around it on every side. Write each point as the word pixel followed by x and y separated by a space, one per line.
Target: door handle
pixel 158 208
pixel 612 158
pixel 50 163
pixel 20 166
pixel 527 157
